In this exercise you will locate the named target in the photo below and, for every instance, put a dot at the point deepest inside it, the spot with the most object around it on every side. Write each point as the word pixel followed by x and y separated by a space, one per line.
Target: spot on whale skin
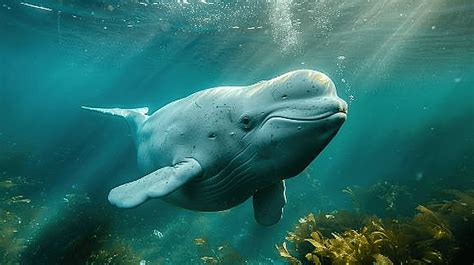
pixel 212 136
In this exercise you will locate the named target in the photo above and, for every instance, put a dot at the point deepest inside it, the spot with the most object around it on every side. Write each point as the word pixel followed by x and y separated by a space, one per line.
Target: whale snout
pixel 306 95
pixel 327 105
pixel 343 107
pixel 333 108
pixel 325 88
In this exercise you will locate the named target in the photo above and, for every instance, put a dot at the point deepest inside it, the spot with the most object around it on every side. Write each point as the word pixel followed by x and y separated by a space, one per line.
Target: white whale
pixel 218 147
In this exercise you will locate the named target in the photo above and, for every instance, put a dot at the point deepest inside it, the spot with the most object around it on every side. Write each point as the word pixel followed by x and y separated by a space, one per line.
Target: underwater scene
pixel 210 132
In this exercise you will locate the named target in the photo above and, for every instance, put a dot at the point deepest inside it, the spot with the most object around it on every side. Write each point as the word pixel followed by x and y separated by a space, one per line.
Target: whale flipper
pixel 158 183
pixel 268 204
pixel 134 117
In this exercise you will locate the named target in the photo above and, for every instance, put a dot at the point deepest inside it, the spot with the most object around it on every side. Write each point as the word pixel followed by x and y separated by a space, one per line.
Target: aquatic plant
pixel 438 233
pixel 81 234
pixel 15 212
pixel 361 246
pixel 10 245
pixel 458 215
pixel 223 254
pixel 115 251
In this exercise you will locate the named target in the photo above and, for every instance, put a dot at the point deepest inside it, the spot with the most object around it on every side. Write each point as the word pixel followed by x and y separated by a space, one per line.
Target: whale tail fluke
pixel 134 117
pixel 118 111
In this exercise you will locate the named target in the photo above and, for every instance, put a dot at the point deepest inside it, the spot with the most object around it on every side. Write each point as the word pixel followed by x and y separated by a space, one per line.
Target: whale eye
pixel 246 122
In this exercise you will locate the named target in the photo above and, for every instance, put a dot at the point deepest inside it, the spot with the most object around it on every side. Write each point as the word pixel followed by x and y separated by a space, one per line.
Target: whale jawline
pixel 310 119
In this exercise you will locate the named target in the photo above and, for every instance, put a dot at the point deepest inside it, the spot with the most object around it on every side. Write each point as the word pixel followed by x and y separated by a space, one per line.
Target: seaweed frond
pixel 223 254
pixel 438 233
pixel 283 252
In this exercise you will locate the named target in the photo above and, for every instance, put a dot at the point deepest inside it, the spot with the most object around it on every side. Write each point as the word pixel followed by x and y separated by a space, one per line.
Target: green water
pixel 406 68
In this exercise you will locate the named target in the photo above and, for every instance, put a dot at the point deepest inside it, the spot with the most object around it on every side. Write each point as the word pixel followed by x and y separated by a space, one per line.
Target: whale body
pixel 218 147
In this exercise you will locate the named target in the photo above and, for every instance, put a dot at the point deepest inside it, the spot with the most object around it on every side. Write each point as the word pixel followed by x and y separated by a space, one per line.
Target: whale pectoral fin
pixel 156 184
pixel 268 204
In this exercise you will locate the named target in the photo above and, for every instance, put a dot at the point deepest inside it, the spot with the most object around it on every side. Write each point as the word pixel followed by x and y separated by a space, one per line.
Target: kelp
pixel 10 245
pixel 15 211
pixel 223 254
pixel 439 233
pixel 361 246
pixel 80 235
pixel 115 252
pixel 458 214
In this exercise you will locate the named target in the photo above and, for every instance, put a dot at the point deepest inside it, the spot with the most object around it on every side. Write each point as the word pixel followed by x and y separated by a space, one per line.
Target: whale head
pixel 292 118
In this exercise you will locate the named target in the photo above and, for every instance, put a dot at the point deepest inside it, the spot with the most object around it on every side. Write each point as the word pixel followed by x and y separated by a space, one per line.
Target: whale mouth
pixel 342 114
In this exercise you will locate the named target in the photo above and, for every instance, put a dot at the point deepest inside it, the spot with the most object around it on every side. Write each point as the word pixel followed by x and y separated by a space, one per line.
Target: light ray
pixel 383 57
pixel 37 7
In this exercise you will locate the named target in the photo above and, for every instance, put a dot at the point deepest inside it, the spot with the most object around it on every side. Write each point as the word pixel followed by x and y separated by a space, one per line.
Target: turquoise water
pixel 406 68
